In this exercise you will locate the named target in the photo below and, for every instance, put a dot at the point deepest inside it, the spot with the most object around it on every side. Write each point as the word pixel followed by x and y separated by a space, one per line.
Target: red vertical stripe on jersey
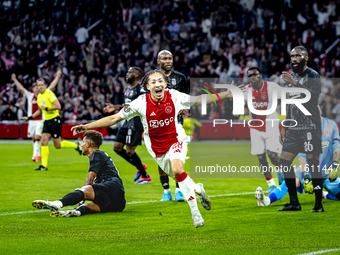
pixel 35 107
pixel 161 121
pixel 260 102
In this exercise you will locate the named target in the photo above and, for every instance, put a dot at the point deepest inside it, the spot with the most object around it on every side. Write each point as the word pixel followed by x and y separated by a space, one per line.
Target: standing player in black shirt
pixel 107 193
pixel 179 82
pixel 130 134
pixel 306 135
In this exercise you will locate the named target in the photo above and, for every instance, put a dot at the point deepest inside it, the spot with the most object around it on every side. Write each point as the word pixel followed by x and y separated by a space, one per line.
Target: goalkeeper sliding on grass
pixel 107 193
pixel 328 164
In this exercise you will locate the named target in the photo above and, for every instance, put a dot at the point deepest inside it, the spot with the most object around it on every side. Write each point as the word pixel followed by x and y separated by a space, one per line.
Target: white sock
pixel 34 152
pixel 58 203
pixel 188 187
pixel 166 190
pixel 177 189
pixel 37 145
pixel 271 182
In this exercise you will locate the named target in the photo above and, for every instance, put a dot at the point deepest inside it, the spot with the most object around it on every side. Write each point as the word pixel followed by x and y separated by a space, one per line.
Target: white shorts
pixel 35 127
pixel 263 141
pixel 177 151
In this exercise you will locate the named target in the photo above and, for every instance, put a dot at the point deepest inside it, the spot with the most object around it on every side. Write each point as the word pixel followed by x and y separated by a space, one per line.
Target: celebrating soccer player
pixel 49 105
pixel 130 134
pixel 107 193
pixel 164 138
pixel 179 82
pixel 305 136
pixel 264 135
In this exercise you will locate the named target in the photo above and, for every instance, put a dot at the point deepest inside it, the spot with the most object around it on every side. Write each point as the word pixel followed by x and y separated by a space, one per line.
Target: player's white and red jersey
pixel 159 119
pixel 262 99
pixel 264 135
pixel 32 104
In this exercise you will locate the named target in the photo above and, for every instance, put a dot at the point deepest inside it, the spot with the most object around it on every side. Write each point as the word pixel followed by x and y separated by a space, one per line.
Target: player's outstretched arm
pixel 223 95
pixel 55 81
pixel 17 83
pixel 104 122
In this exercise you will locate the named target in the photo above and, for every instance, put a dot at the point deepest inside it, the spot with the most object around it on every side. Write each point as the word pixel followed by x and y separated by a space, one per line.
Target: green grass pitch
pixel 235 224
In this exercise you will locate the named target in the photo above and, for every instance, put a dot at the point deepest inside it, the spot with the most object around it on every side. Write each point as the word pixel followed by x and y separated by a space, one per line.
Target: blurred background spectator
pixel 95 42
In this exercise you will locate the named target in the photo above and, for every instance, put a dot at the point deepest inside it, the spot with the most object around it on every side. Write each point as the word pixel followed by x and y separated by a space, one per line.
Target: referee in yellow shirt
pixel 50 106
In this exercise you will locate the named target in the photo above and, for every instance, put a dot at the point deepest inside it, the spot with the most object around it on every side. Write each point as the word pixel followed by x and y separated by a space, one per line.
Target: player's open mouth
pixel 294 65
pixel 158 92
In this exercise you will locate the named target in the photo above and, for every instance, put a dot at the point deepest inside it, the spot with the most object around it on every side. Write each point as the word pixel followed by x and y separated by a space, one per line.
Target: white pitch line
pixel 320 252
pixel 136 202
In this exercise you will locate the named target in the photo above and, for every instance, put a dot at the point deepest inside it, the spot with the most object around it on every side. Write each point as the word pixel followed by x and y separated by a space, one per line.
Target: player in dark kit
pixel 179 82
pixel 130 134
pixel 107 193
pixel 305 137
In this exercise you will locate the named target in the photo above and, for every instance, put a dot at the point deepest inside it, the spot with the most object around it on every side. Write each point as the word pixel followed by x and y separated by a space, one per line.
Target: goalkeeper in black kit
pixel 103 185
pixel 305 136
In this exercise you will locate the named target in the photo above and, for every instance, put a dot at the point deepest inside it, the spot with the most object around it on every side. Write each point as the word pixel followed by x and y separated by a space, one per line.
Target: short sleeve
pixel 52 96
pixel 184 100
pixel 27 93
pixel 133 109
pixel 335 137
pixel 95 162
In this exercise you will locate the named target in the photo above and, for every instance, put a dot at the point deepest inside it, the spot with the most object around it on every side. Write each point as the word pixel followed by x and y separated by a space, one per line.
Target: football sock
pixel 317 180
pixel 165 182
pixel 270 181
pixel 188 188
pixel 34 151
pixel 278 193
pixel 72 198
pixel 37 145
pixel 67 144
pixel 135 160
pixel 83 210
pixel 289 175
pixel 44 155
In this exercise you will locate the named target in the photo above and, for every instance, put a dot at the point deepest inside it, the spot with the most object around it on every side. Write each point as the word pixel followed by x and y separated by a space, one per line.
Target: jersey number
pixel 308 146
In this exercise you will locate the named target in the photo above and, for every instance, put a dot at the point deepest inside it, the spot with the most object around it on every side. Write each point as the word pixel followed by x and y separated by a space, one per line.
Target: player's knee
pixel 57 146
pixel 272 155
pixel 130 152
pixel 117 149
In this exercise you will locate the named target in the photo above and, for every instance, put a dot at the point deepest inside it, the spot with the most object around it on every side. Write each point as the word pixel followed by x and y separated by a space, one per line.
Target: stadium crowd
pixel 209 39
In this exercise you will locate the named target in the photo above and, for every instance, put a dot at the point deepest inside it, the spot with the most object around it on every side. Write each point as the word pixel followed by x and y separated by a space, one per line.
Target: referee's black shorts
pixel 305 141
pixel 109 196
pixel 53 127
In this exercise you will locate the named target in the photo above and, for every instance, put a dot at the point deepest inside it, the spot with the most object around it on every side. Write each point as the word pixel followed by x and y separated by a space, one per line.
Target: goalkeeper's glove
pixel 332 171
pixel 308 186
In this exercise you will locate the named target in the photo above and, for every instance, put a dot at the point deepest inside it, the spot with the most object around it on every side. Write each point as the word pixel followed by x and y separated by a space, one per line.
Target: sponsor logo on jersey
pixel 263 96
pixel 324 144
pixel 168 109
pixel 260 105
pixel 173 82
pixel 309 136
pixel 153 114
pixel 160 123
pixel 327 135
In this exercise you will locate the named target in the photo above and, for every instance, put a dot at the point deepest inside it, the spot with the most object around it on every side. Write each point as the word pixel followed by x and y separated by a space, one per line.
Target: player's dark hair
pixel 254 68
pixel 145 79
pixel 139 71
pixel 300 47
pixel 95 137
pixel 41 79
